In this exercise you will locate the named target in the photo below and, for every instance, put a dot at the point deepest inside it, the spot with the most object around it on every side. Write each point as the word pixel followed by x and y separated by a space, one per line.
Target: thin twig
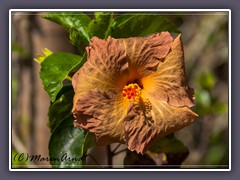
pixel 120 151
pixel 116 148
pixel 94 159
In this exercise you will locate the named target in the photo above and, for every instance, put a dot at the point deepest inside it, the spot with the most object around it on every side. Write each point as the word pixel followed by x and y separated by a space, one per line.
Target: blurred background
pixel 205 39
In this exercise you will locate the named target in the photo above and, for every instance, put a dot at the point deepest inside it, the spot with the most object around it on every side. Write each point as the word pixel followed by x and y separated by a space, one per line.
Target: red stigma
pixel 131 92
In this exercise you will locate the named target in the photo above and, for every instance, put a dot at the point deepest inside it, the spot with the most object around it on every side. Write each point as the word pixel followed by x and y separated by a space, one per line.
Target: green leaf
pixel 40 58
pixel 68 145
pixel 65 145
pixel 174 149
pixel 100 26
pixel 64 89
pixel 60 109
pixel 54 69
pixel 135 25
pixel 78 66
pixel 87 144
pixel 75 23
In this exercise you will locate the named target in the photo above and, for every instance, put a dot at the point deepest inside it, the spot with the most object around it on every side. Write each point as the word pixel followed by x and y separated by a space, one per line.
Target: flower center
pixel 132 92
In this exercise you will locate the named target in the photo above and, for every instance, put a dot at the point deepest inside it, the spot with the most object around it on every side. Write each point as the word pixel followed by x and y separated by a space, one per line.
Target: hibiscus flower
pixel 133 90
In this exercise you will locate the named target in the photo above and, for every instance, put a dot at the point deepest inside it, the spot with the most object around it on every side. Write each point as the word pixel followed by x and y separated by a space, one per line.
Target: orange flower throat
pixel 132 92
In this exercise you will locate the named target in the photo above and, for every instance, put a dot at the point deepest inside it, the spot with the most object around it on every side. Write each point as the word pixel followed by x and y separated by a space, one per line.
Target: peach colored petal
pixel 168 83
pixel 144 53
pixel 105 63
pixel 156 64
pixel 144 126
pixel 102 113
pixel 74 79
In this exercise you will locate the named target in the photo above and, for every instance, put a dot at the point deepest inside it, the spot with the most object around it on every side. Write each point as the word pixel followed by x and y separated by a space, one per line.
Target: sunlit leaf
pixel 47 52
pixel 54 69
pixel 140 25
pixel 76 23
pixel 40 58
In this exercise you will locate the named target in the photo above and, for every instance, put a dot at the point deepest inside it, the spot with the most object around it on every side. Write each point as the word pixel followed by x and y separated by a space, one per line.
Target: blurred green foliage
pixel 218 152
pixel 206 103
